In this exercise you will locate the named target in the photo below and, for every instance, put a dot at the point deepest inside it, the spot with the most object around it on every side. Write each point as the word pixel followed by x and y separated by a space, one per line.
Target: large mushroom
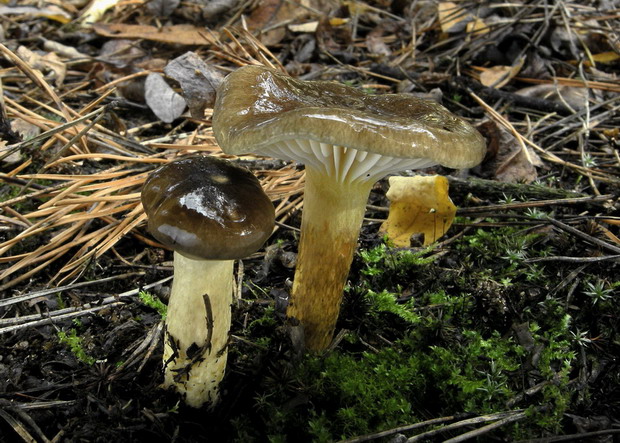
pixel 347 140
pixel 210 212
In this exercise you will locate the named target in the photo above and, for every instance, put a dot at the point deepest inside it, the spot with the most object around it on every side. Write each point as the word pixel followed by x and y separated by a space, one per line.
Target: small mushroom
pixel 348 140
pixel 210 212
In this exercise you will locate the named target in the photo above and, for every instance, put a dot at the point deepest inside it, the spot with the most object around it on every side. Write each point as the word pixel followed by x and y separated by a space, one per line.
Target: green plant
pixel 74 343
pixel 153 302
pixel 385 301
pixel 598 291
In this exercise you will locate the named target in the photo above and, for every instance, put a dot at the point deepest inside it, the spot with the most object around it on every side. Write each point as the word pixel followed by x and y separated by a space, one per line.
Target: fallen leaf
pixel 575 97
pixel 477 27
pixel 51 12
pixel 63 50
pixel 166 104
pixel 452 18
pixel 44 63
pixel 310 27
pixel 175 34
pixel 418 204
pixel 499 76
pixel 95 11
pixel 375 42
pixel 509 161
pixel 274 12
pixel 198 81
pixel 162 8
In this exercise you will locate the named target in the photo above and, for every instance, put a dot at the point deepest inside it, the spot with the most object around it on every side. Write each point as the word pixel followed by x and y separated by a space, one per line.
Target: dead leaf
pixel 574 96
pixel 499 76
pixel 452 17
pixel 95 11
pixel 274 12
pixel 166 104
pixel 162 8
pixel 212 9
pixel 418 204
pixel 198 81
pixel 310 27
pixel 44 63
pixel 477 27
pixel 51 12
pixel 509 161
pixel 175 34
pixel 375 42
pixel 63 50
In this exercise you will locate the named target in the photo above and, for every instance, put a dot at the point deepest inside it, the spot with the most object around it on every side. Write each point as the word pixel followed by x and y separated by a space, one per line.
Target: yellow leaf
pixel 477 27
pixel 418 205
pixel 451 15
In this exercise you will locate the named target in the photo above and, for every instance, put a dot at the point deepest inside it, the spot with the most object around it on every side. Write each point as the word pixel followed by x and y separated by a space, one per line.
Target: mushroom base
pixel 197 327
pixel 332 217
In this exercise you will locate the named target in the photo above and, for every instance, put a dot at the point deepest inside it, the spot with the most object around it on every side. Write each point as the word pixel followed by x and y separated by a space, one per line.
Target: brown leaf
pixel 507 159
pixel 499 76
pixel 175 34
pixel 44 63
pixel 418 204
pixel 51 12
pixel 198 81
pixel 574 96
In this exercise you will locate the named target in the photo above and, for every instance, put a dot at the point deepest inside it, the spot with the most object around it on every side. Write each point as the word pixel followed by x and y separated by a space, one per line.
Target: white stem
pixel 197 327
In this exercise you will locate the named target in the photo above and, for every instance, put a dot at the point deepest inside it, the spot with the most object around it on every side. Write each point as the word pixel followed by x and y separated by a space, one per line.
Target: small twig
pixel 583 235
pixel 64 314
pixel 532 204
pixel 573 259
pixel 463 423
pixel 411 427
pixel 487 428
pixel 44 292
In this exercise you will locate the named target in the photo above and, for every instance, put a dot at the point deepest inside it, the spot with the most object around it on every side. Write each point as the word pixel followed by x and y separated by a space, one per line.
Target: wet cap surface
pixel 258 109
pixel 207 208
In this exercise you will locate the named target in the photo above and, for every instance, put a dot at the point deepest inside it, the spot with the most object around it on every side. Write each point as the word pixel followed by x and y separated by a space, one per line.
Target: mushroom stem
pixel 197 327
pixel 332 217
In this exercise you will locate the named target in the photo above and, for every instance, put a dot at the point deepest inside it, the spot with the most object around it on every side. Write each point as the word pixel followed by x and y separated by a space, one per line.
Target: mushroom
pixel 347 140
pixel 210 212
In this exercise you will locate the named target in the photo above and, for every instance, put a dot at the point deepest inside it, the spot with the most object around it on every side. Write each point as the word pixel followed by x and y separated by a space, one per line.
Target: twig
pixel 377 435
pixel 63 314
pixel 487 428
pixel 533 204
pixel 573 259
pixel 583 235
pixel 463 423
pixel 44 292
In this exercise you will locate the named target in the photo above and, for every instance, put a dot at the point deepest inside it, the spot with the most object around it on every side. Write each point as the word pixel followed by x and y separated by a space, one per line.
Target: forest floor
pixel 504 329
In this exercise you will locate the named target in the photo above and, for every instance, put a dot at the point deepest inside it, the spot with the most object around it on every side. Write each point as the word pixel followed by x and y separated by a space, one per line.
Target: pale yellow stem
pixel 197 327
pixel 332 217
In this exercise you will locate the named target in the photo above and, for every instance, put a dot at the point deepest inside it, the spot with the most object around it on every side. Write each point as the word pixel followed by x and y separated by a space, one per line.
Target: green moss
pixel 74 343
pixel 153 302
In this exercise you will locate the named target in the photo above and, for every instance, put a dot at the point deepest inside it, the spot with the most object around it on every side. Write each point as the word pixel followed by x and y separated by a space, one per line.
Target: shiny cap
pixel 260 110
pixel 207 208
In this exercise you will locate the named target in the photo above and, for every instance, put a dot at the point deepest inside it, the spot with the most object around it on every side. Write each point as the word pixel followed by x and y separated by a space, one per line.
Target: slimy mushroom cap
pixel 207 208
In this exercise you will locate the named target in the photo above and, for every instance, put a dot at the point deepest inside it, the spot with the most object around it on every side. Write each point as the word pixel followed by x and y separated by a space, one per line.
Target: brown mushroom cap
pixel 261 110
pixel 207 208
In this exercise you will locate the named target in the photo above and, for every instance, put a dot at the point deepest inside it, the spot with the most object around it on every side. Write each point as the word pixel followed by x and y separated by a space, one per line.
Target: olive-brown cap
pixel 266 112
pixel 207 208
